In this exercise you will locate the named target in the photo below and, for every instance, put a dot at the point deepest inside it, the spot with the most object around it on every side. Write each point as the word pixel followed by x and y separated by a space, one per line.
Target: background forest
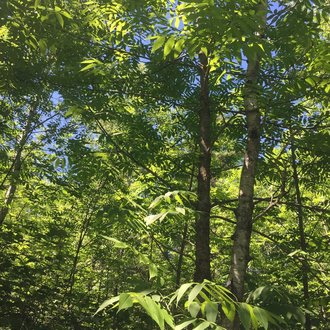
pixel 171 156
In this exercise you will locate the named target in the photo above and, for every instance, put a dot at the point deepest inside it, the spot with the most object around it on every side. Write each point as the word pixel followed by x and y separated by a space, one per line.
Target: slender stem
pixel 202 222
pixel 184 234
pixel 302 237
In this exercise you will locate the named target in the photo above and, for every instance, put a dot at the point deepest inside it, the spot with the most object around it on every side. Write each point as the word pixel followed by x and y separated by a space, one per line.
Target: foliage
pixel 99 134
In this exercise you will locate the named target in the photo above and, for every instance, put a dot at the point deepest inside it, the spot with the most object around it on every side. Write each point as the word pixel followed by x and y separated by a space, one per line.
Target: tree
pixel 140 122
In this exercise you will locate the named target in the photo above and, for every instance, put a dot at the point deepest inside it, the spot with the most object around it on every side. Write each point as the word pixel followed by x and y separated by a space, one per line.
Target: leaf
pixel 229 310
pixel 205 50
pixel 247 316
pixel 211 311
pixel 107 303
pixel 182 290
pixel 153 271
pixel 310 81
pixel 178 199
pixel 59 19
pixel 156 297
pixel 195 291
pixel 158 43
pixel 184 324
pixel 125 301
pixel 117 244
pixel 244 315
pixel 261 316
pixel 66 14
pixel 169 46
pixel 203 325
pixel 194 308
pixel 168 318
pixel 177 22
pixel 156 202
pixel 258 292
pixel 180 210
pixel 155 312
pixel 87 67
pixel 153 217
pixel 43 46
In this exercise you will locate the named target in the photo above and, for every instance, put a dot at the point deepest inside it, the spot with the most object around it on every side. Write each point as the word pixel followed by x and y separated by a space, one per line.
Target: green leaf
pixel 168 318
pixel 169 46
pixel 59 19
pixel 43 46
pixel 153 217
pixel 211 310
pixel 182 290
pixel 203 325
pixel 247 317
pixel 158 43
pixel 180 210
pixel 125 301
pixel 229 310
pixel 66 14
pixel 261 316
pixel 184 324
pixel 178 199
pixel 153 271
pixel 259 292
pixel 107 303
pixel 155 312
pixel 156 202
pixel 205 50
pixel 194 308
pixel 117 244
pixel 87 67
pixel 177 22
pixel 195 291
pixel 310 81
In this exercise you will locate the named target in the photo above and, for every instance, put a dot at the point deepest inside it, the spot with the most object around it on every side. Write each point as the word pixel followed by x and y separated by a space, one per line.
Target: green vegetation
pixel 164 164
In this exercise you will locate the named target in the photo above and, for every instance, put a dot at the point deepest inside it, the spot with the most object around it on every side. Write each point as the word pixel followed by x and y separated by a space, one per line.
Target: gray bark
pixel 244 212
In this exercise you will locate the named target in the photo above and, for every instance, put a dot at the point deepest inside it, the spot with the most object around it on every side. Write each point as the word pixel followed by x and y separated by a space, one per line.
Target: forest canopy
pixel 164 164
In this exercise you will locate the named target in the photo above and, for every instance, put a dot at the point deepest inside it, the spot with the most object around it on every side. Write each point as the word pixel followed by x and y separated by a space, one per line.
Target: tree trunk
pixel 185 232
pixel 302 239
pixel 15 169
pixel 244 212
pixel 202 224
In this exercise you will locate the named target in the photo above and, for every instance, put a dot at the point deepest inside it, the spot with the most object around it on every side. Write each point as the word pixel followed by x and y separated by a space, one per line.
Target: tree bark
pixel 244 211
pixel 302 238
pixel 242 235
pixel 202 223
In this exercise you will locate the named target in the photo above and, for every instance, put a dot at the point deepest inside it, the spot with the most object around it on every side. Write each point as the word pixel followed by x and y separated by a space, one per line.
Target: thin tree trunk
pixel 244 212
pixel 180 260
pixel 82 234
pixel 14 171
pixel 242 235
pixel 202 224
pixel 184 234
pixel 302 238
pixel 83 231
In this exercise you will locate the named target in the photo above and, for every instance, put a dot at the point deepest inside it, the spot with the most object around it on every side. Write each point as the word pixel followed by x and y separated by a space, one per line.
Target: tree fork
pixel 202 223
